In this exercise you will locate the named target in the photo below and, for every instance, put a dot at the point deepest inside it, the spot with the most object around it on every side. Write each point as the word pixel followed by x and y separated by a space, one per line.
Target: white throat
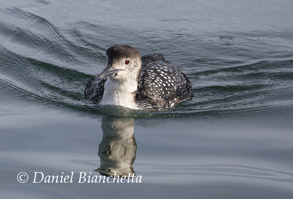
pixel 120 93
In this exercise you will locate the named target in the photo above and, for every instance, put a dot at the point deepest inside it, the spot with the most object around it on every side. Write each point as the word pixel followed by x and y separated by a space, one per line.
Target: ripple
pixel 45 64
pixel 221 170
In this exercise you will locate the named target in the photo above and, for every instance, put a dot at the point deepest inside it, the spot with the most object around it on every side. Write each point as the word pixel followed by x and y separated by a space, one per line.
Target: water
pixel 232 140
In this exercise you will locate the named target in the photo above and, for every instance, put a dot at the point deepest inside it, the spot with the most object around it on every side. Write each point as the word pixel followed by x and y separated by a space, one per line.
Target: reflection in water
pixel 117 150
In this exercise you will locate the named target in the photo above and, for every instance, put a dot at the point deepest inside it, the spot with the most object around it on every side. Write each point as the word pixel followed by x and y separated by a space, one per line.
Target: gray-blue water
pixel 232 140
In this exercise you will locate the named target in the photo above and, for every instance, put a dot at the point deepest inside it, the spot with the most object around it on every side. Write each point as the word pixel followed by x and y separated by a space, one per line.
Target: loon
pixel 135 82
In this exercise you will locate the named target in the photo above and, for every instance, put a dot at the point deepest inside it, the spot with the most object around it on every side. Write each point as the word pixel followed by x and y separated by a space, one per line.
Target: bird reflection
pixel 117 149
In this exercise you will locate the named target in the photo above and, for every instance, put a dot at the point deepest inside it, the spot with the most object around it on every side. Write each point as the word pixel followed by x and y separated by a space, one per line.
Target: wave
pixel 48 65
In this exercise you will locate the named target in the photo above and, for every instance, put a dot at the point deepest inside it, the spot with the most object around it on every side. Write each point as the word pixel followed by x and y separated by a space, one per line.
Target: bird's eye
pixel 127 61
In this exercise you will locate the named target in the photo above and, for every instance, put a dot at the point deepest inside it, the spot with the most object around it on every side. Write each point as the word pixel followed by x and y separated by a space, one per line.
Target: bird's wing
pixel 94 89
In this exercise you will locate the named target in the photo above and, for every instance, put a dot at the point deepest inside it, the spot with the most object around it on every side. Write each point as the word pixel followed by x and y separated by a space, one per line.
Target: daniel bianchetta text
pixel 76 177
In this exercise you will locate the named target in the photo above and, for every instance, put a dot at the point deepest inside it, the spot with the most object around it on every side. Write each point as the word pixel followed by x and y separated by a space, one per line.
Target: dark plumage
pixel 160 84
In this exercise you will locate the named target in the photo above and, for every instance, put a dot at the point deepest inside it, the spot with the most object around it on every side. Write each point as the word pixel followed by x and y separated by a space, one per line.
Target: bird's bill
pixel 107 72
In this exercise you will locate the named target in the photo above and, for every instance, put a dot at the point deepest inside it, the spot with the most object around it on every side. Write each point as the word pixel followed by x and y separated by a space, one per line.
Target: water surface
pixel 233 139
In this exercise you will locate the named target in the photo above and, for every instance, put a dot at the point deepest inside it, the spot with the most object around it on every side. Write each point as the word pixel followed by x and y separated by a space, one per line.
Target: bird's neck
pixel 120 93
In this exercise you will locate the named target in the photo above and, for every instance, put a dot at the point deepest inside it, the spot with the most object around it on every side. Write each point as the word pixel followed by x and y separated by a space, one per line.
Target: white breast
pixel 120 94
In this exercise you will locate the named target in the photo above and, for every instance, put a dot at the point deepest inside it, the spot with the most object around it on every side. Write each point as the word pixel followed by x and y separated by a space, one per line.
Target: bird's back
pixel 161 83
